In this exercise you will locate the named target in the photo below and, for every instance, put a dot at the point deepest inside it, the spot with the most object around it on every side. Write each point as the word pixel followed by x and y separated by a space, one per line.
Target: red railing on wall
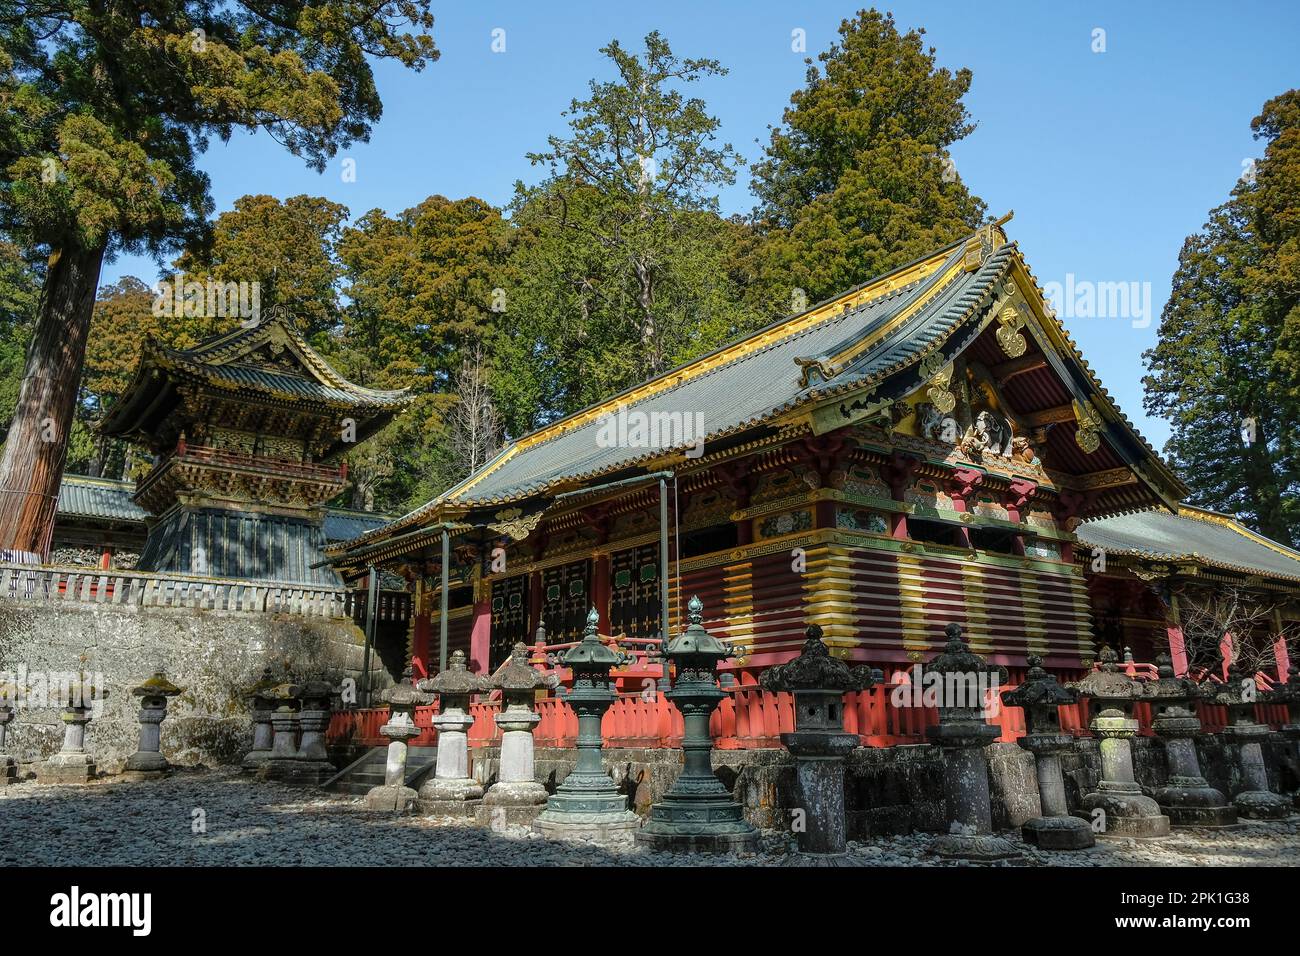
pixel 747 719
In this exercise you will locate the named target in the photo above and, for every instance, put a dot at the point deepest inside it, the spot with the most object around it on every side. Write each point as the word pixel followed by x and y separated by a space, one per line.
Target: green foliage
pixel 20 289
pixel 1227 356
pixel 858 179
pixel 287 248
pixel 621 259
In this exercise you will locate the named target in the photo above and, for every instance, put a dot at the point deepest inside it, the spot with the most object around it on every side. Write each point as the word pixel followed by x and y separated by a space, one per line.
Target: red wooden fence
pixel 747 719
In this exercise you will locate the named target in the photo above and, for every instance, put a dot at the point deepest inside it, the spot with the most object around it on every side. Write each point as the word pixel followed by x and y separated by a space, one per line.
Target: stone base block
pixel 450 790
pixel 457 809
pixel 395 799
pixel 146 762
pixel 740 843
pixel 979 848
pixel 618 827
pixel 514 803
pixel 495 816
pixel 1220 818
pixel 66 768
pixel 1195 807
pixel 1262 805
pixel 818 859
pixel 1128 814
pixel 141 776
pixel 254 760
pixel 1058 833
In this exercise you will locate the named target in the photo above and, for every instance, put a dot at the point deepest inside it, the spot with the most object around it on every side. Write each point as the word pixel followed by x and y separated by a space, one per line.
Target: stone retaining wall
pixel 213 654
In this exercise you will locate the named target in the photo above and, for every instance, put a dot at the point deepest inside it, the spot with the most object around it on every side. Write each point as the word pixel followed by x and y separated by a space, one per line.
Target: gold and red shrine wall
pixel 887 602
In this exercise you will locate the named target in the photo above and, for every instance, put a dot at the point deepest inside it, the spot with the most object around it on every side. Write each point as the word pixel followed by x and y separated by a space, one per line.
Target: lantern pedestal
pixel 587 806
pixel 1127 811
pixel 71 764
pixel 697 814
pixel 262 708
pixel 8 765
pixel 451 791
pixel 966 788
pixel 1255 801
pixel 819 744
pixel 393 795
pixel 962 734
pixel 516 798
pixel 1187 798
pixel 1055 829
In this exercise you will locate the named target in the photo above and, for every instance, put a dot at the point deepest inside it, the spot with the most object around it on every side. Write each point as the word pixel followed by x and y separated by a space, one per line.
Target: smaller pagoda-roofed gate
pixel 1196 583
pixel 245 430
pixel 915 452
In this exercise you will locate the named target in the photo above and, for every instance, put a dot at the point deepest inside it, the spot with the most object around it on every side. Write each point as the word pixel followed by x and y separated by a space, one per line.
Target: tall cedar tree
pixel 103 110
pixel 288 248
pixel 421 288
pixel 1226 369
pixel 858 178
pixel 620 257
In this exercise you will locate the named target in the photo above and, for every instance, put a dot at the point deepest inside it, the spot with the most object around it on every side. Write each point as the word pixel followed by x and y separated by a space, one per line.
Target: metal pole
pixel 663 578
pixel 442 601
pixel 372 601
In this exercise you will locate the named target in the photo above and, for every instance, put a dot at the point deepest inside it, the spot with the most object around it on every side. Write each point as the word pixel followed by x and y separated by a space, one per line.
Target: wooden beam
pixel 1004 372
pixel 1049 416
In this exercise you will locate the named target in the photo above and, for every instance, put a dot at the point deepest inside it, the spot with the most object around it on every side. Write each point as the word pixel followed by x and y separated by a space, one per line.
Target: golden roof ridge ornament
pixel 987 240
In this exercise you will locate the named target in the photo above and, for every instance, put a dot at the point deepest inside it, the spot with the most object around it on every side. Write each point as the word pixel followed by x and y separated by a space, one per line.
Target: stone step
pixel 368 770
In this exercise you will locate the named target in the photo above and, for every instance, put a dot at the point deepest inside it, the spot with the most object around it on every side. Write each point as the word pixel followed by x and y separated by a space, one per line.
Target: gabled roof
pixel 1193 535
pixel 267 359
pixel 876 344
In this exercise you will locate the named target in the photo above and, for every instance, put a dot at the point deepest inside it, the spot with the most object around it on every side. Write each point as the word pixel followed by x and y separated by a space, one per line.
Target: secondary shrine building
pixel 927 448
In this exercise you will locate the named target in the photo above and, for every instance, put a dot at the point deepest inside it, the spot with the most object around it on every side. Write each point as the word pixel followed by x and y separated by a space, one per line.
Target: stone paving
pixel 222 818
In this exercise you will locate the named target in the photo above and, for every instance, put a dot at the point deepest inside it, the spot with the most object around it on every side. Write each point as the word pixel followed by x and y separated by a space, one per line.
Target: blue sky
pixel 1109 159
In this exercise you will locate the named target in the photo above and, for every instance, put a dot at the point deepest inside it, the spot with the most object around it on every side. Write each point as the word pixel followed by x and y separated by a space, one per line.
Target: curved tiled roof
pixel 873 341
pixel 1194 535
pixel 103 498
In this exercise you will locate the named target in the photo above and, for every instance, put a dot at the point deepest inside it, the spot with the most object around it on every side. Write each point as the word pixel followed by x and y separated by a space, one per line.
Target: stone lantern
pixel 516 798
pixel 963 733
pixel 1254 800
pixel 313 763
pixel 1118 803
pixel 451 791
pixel 1187 798
pixel 148 763
pixel 393 794
pixel 8 704
pixel 282 760
pixel 72 764
pixel 1287 694
pixel 819 743
pixel 1041 696
pixel 587 805
pixel 697 812
pixel 262 707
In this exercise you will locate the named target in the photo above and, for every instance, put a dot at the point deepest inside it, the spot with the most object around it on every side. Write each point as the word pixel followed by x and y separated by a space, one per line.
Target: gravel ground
pixel 222 818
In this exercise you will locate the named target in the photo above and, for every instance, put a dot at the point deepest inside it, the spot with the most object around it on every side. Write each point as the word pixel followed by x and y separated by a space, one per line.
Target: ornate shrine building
pixel 245 430
pixel 924 449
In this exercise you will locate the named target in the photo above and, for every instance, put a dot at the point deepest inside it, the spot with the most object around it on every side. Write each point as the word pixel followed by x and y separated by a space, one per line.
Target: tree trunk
pixel 32 465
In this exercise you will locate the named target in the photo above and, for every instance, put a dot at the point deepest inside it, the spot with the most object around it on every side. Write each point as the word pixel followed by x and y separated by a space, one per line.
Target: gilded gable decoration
pixel 933 370
pixel 1088 434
